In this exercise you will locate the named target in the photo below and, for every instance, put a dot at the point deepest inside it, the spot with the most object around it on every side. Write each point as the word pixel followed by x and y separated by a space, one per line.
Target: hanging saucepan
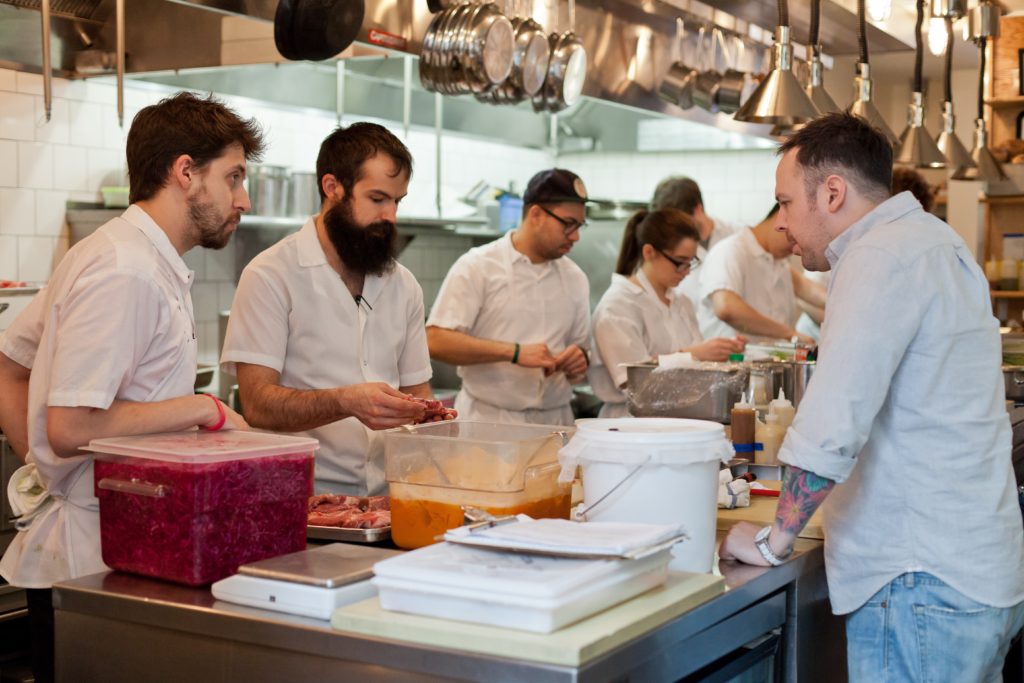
pixel 529 65
pixel 490 49
pixel 705 88
pixel 316 29
pixel 567 72
pixel 730 89
pixel 453 59
pixel 677 86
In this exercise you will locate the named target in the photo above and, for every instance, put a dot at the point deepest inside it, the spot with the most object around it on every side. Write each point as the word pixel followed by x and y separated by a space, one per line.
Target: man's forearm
pixel 802 493
pixel 741 316
pixel 458 348
pixel 284 409
pixel 68 429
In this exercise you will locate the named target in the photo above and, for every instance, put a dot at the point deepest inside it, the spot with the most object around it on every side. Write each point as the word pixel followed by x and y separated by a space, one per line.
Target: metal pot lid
pixel 498 46
pixel 533 65
pixel 575 75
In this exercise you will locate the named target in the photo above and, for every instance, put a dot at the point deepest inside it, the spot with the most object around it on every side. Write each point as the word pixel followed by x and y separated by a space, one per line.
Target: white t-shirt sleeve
pixel 460 298
pixel 723 269
pixel 257 330
pixel 102 329
pixel 414 362
pixel 21 340
pixel 619 339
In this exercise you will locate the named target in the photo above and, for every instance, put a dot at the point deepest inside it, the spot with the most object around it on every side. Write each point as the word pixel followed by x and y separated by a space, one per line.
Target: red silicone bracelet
pixel 223 416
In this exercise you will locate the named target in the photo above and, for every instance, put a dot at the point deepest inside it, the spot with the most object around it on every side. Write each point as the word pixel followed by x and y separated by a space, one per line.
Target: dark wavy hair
pixel 662 229
pixel 201 127
pixel 345 150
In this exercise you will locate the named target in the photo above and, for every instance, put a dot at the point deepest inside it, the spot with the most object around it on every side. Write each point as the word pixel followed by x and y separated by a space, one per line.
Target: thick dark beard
pixel 210 226
pixel 368 250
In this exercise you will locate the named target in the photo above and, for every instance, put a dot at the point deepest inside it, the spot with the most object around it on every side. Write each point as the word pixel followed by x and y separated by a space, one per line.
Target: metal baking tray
pixel 337 533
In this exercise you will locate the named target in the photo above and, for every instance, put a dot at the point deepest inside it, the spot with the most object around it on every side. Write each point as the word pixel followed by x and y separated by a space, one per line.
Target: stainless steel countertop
pixel 121 597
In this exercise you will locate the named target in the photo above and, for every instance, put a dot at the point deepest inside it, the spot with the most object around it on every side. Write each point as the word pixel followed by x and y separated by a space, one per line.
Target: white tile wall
pixel 737 185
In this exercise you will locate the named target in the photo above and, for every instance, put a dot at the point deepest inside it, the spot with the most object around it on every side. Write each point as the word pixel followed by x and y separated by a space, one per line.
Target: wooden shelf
pixel 1004 199
pixel 1007 294
pixel 1005 102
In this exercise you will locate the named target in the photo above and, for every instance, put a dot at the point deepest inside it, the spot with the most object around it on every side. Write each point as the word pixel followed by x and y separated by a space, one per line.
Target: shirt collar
pixel 646 285
pixel 135 215
pixel 512 253
pixel 310 252
pixel 755 247
pixel 888 211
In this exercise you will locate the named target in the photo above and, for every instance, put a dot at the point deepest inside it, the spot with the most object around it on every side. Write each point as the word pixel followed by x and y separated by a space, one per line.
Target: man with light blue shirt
pixel 902 433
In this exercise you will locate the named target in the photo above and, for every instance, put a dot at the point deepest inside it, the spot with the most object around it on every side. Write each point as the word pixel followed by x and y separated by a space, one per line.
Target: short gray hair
pixel 677 192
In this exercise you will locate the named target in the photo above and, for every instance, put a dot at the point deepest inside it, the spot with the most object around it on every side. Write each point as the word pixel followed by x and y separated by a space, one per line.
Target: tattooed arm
pixel 802 493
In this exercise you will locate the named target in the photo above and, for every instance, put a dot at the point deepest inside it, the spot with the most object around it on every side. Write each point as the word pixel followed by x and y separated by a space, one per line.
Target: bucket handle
pixel 580 514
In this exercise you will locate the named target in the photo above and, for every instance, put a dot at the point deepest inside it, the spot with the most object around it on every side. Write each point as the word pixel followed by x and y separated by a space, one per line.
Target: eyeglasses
pixel 569 225
pixel 687 266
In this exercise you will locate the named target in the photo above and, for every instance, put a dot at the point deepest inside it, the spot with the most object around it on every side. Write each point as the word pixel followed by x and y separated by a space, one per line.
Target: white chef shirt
pixel 741 265
pixel 690 286
pixel 906 411
pixel 494 292
pixel 114 322
pixel 631 325
pixel 293 313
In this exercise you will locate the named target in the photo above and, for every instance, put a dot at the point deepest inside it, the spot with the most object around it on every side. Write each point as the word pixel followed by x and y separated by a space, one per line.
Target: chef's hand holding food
pixel 379 406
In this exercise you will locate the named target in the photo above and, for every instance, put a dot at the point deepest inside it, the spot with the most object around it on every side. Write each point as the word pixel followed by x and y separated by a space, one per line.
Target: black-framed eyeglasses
pixel 684 266
pixel 569 225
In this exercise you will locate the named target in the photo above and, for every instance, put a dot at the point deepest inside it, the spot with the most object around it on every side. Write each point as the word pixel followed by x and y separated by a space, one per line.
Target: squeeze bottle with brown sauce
pixel 742 421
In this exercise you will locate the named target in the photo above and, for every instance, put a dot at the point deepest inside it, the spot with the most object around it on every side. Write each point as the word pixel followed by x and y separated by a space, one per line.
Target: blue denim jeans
pixel 918 628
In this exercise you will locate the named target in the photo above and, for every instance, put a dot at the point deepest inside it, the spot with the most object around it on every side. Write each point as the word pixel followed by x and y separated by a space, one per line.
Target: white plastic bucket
pixel 656 470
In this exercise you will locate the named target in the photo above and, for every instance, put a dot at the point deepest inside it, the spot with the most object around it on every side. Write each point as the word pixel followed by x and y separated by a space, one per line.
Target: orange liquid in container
pixel 416 522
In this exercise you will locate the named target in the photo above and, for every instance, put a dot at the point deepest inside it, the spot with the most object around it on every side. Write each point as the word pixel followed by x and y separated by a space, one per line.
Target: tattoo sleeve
pixel 802 492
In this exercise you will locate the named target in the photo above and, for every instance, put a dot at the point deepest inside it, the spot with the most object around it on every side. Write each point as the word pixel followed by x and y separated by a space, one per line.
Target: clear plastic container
pixel 190 507
pixel 435 469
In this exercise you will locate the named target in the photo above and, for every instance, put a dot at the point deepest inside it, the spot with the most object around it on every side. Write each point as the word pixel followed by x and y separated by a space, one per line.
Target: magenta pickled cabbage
pixel 212 518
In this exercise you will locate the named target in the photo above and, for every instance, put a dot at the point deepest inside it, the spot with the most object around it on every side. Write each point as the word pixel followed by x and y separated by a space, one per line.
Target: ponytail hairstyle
pixel 662 229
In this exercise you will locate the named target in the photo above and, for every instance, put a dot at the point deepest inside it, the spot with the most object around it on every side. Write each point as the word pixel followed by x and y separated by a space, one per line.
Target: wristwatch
pixel 761 541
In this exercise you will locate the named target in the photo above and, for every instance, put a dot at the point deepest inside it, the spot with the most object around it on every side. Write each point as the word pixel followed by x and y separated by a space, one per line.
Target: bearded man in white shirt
pixel 108 348
pixel 326 330
pixel 514 314
pixel 903 433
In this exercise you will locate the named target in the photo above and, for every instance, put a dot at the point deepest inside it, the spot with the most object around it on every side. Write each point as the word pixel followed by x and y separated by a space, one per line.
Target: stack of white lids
pixel 515 590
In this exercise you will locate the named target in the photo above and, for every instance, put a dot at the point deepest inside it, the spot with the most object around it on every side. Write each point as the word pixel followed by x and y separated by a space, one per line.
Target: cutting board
pixel 762 512
pixel 571 646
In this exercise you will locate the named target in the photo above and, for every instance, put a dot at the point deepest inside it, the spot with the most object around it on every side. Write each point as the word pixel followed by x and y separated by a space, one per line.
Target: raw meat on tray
pixel 350 512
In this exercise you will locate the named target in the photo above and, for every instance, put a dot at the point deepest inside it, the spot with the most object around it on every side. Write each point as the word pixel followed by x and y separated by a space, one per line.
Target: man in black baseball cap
pixel 515 316
pixel 556 185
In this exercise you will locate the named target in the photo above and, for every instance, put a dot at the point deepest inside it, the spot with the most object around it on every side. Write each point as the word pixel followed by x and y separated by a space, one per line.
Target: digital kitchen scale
pixel 310 583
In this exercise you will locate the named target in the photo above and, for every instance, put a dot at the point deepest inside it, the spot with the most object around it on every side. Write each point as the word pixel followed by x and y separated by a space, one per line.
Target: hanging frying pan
pixel 316 29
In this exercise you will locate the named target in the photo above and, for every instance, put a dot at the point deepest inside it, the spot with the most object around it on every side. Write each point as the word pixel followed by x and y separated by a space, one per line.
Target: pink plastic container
pixel 190 507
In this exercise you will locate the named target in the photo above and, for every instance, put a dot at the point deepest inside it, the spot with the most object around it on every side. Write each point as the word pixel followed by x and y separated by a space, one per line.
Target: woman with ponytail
pixel 641 316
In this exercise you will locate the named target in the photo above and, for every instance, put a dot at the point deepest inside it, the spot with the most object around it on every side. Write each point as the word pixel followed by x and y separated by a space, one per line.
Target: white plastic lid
pixel 650 430
pixel 494 573
pixel 203 447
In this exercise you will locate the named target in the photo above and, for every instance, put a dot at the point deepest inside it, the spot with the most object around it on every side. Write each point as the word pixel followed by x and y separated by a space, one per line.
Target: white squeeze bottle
pixel 782 408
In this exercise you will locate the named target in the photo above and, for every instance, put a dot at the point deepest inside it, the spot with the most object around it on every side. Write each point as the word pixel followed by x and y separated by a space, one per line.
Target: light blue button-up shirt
pixel 905 411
